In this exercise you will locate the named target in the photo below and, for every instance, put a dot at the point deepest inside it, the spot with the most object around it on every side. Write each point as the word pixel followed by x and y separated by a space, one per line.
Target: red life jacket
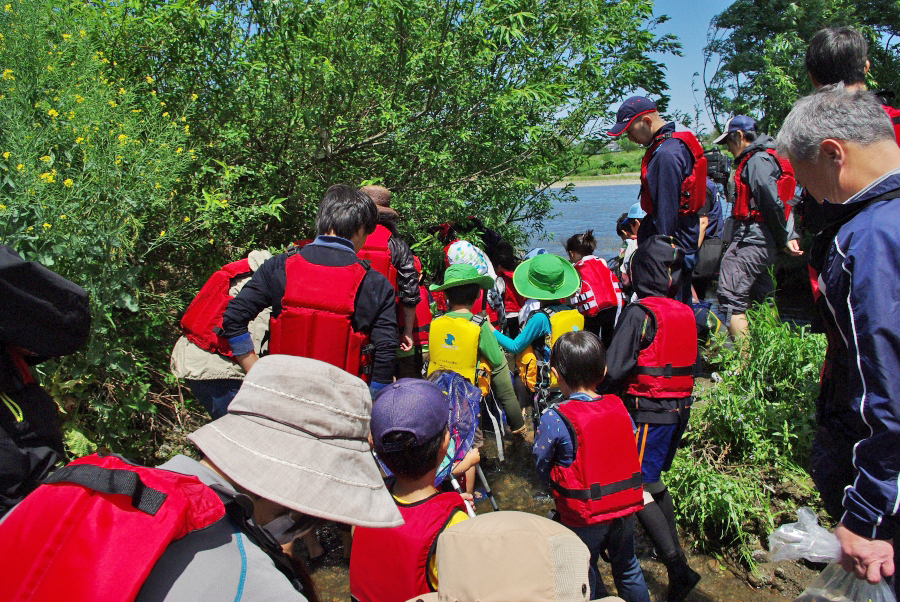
pixel 316 312
pixel 512 300
pixel 665 368
pixel 378 254
pixel 745 207
pixel 423 312
pixel 203 316
pixel 599 287
pixel 95 529
pixel 894 114
pixel 604 481
pixel 693 189
pixel 391 565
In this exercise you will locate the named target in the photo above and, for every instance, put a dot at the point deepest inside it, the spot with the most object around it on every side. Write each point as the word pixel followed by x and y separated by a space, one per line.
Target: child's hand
pixel 468 497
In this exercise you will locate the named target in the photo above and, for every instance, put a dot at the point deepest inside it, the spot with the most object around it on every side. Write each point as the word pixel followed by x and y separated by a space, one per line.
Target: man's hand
pixel 793 248
pixel 869 559
pixel 406 342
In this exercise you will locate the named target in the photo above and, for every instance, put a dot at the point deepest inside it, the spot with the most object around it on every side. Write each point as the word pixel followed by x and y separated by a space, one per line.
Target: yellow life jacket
pixel 453 345
pixel 561 321
pixel 526 366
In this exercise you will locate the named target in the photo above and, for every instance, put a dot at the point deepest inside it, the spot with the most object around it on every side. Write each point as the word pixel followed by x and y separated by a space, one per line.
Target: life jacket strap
pixel 596 491
pixel 667 371
pixel 111 481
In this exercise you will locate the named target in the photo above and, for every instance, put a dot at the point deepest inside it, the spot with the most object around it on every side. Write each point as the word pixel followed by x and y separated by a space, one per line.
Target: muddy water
pixel 516 488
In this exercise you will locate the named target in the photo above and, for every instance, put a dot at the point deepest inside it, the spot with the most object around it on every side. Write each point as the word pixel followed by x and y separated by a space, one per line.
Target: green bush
pixel 750 434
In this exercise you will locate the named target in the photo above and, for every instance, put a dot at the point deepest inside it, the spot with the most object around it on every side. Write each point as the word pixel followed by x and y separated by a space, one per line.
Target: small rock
pixel 713 564
pixel 754 580
pixel 779 572
pixel 759 555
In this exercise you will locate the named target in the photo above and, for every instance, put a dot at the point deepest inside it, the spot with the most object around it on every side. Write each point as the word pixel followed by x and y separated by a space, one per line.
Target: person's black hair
pixel 579 358
pixel 344 210
pixel 413 461
pixel 749 135
pixel 465 294
pixel 837 55
pixel 622 225
pixel 505 256
pixel 583 244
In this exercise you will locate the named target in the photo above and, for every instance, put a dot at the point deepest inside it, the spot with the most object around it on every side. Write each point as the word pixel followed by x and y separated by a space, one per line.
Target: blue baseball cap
pixel 738 123
pixel 636 212
pixel 410 405
pixel 630 110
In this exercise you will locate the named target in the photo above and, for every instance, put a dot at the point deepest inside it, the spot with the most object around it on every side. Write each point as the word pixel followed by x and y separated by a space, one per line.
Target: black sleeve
pixel 264 289
pixel 629 338
pixel 407 277
pixel 710 199
pixel 376 313
pixel 762 177
pixel 40 311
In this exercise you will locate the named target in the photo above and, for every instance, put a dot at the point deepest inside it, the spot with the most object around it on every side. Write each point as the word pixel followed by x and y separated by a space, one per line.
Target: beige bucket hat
pixel 510 557
pixel 297 433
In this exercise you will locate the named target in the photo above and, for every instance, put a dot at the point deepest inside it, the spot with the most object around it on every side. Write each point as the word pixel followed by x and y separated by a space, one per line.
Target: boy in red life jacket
pixel 599 299
pixel 651 357
pixel 410 436
pixel 584 448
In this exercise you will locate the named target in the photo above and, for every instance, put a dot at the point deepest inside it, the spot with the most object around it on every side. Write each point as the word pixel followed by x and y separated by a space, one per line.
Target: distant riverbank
pixel 619 179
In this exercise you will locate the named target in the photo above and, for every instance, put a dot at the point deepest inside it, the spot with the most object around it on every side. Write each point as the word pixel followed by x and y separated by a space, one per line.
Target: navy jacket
pixel 375 310
pixel 859 402
pixel 669 165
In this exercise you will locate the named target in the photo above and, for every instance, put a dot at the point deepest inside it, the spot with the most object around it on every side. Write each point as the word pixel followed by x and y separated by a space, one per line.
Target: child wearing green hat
pixel 550 279
pixel 458 340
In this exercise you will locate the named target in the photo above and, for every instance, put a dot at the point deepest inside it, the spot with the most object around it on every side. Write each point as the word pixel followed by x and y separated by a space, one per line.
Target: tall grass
pixel 749 438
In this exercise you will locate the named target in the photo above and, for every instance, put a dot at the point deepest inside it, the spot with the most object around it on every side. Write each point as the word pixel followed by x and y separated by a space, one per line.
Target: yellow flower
pixel 82 33
pixel 45 158
pixel 186 218
pixel 6 155
pixel 148 79
pixel 2 207
pixel 122 138
pixel 162 103
pixel 121 91
pixel 79 140
pixel 29 228
pixel 112 103
pixel 156 185
pixel 7 73
pixel 66 36
pixel 53 113
pixel 165 114
pixel 63 216
pixel 49 67
pixel 20 167
pixel 135 110
pixel 68 183
pixel 210 241
pixel 187 129
pixel 178 150
pixel 162 233
pixel 46 226
pixel 79 98
pixel 194 97
pixel 7 8
pixel 183 118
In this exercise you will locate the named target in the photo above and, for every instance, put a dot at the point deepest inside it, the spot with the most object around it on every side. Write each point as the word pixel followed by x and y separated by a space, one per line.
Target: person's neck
pixel 456 307
pixel 871 163
pixel 583 391
pixel 415 490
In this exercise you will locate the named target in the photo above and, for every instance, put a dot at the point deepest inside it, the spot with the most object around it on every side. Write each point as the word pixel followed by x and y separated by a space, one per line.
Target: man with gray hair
pixel 841 145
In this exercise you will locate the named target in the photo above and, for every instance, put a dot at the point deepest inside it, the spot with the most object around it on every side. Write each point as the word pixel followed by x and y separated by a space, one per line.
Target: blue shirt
pixel 538 325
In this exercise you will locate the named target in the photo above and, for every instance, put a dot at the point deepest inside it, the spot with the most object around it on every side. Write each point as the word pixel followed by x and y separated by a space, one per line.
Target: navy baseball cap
pixel 631 109
pixel 409 405
pixel 738 123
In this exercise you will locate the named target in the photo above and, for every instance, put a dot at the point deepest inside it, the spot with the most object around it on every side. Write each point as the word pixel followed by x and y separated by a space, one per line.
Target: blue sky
pixel 689 21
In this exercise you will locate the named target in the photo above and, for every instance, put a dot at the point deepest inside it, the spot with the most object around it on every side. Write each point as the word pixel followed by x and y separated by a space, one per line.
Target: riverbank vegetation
pixel 610 163
pixel 748 441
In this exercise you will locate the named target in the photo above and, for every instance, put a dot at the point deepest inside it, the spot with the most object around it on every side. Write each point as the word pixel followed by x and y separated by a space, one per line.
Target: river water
pixel 597 207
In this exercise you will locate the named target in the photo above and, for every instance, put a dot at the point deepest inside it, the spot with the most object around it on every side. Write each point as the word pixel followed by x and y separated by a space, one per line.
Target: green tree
pixel 756 49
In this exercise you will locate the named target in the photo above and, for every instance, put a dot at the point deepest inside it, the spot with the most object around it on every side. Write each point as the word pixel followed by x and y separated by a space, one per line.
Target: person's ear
pixel 816 84
pixel 445 445
pixel 831 150
pixel 371 441
pixel 866 70
pixel 555 374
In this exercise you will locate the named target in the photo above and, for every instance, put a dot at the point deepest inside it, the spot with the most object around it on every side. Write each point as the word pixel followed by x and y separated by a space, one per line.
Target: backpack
pixel 94 530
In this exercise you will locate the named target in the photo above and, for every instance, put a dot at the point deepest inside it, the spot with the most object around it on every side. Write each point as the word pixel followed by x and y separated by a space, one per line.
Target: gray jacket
pixel 761 175
pixel 207 565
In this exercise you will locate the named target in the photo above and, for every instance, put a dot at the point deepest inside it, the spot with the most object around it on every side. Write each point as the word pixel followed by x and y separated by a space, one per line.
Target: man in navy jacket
pixel 842 147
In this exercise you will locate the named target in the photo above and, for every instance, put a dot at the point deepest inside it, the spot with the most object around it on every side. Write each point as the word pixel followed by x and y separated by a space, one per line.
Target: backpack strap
pixel 239 508
pixel 106 480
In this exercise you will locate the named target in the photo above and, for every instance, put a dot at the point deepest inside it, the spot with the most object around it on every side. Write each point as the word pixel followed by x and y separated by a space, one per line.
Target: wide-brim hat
pixel 531 559
pixel 297 434
pixel 546 277
pixel 460 274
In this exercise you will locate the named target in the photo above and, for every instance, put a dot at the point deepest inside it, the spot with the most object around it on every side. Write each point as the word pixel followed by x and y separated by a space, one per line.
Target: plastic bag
pixel 834 584
pixel 804 539
pixel 465 402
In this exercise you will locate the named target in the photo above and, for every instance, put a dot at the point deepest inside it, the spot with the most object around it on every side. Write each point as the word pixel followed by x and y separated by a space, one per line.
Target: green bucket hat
pixel 546 277
pixel 460 274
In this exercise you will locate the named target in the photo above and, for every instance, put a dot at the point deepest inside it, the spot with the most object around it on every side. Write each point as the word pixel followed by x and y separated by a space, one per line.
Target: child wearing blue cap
pixel 410 435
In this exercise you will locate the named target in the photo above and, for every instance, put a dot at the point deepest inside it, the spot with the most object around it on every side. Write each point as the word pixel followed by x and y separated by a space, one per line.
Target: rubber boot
pixel 682 578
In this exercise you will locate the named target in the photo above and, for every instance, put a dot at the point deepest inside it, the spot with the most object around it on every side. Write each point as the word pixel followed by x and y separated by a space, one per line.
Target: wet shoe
pixel 681 581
